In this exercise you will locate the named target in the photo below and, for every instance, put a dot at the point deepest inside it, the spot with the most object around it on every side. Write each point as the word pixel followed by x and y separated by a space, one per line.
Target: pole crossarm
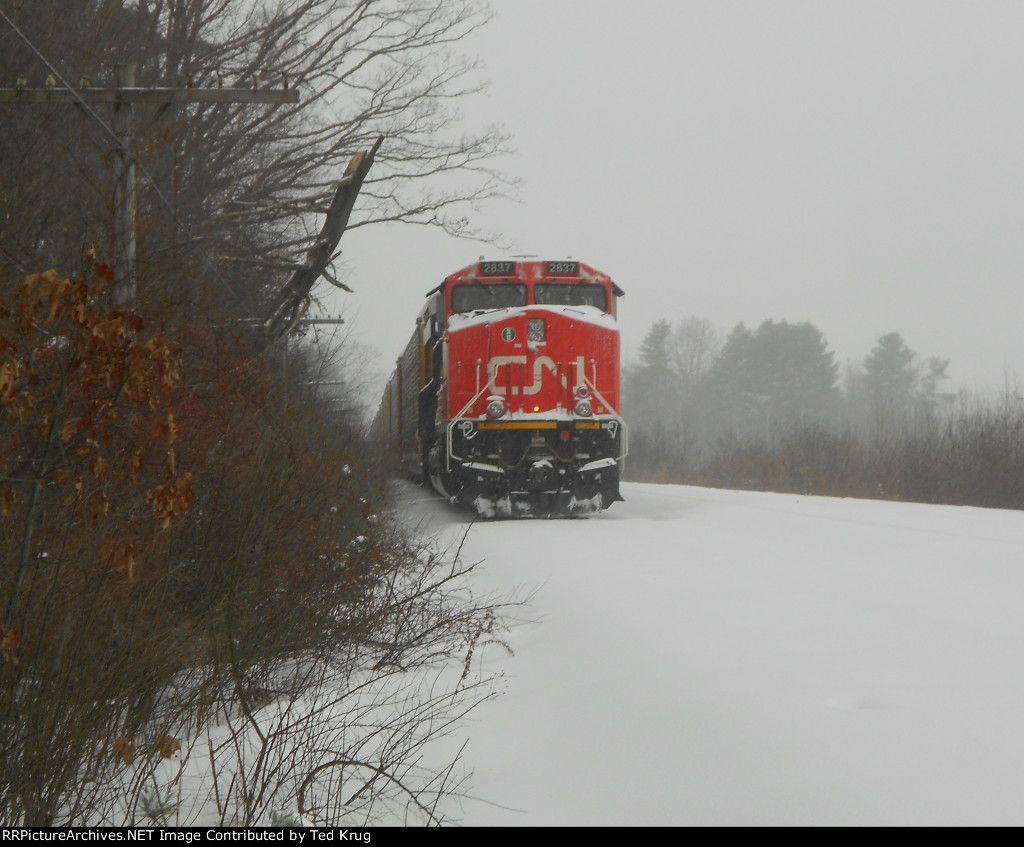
pixel 153 96
pixel 123 97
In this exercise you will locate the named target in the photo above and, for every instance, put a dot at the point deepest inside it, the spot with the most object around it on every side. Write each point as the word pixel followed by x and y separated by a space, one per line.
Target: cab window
pixel 483 297
pixel 563 294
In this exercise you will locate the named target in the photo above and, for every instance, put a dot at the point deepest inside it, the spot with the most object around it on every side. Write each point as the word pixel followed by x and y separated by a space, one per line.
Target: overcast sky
pixel 858 164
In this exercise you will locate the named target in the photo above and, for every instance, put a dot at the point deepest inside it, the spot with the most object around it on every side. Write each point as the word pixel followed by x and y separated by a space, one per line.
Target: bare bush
pixel 201 571
pixel 351 732
pixel 971 456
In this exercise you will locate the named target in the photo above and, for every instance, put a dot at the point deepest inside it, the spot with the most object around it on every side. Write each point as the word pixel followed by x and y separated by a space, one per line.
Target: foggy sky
pixel 853 163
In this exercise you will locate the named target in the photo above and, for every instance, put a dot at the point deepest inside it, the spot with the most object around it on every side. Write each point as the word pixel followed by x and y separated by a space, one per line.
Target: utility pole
pixel 124 192
pixel 123 97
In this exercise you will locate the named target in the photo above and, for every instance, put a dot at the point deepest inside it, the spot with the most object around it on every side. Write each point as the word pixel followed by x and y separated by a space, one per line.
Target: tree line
pixel 693 384
pixel 771 408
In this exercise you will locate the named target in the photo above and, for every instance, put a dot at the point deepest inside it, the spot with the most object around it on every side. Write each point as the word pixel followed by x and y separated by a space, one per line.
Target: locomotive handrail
pixel 451 427
pixel 625 430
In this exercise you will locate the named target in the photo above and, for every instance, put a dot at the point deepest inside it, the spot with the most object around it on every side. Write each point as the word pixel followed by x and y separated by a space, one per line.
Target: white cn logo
pixel 540 364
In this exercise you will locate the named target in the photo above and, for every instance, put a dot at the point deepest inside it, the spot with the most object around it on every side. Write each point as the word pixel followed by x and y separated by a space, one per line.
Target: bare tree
pixel 242 182
pixel 695 343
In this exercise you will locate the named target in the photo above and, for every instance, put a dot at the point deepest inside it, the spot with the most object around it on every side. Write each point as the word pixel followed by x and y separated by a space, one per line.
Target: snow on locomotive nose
pixel 507 396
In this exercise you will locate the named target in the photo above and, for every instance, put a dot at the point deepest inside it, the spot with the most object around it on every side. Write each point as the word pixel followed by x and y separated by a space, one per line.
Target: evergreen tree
pixel 890 377
pixel 934 372
pixel 654 351
pixel 648 382
pixel 777 373
pixel 894 382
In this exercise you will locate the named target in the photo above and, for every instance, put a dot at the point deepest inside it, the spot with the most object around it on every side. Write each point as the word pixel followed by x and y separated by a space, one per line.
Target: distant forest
pixel 771 409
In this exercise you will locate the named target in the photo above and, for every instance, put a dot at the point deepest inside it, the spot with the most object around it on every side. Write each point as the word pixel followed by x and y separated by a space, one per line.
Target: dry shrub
pixel 800 459
pixel 88 483
pixel 974 456
pixel 186 546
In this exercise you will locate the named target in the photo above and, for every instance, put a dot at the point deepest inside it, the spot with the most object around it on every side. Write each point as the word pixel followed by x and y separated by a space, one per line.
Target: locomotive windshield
pixel 562 294
pixel 504 295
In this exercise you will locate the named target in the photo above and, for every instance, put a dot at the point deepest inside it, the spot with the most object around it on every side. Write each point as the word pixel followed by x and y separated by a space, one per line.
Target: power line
pixel 123 97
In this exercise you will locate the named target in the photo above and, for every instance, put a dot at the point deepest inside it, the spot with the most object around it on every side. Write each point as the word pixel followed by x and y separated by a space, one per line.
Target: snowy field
pixel 705 657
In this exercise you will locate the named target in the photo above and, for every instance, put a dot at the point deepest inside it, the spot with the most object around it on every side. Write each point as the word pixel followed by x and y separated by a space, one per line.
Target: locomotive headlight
pixel 583 408
pixel 582 391
pixel 495 409
pixel 536 331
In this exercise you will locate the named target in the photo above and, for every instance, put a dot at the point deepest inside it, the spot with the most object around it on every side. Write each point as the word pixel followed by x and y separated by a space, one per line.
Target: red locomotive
pixel 507 396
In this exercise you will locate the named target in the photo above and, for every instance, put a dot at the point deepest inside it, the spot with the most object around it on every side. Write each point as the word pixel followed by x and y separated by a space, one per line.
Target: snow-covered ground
pixel 705 657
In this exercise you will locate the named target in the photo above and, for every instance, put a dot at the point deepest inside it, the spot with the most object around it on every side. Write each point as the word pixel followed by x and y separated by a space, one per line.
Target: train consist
pixel 507 396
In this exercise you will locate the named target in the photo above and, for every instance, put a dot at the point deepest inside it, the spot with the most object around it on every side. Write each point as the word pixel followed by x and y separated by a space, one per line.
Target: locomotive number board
pixel 497 268
pixel 563 268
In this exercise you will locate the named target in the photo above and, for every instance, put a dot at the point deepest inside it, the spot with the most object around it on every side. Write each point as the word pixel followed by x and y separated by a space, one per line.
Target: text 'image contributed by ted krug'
pixel 190 835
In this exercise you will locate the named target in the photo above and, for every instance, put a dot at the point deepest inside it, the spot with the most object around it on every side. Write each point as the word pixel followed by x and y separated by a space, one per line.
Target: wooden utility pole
pixel 123 97
pixel 123 292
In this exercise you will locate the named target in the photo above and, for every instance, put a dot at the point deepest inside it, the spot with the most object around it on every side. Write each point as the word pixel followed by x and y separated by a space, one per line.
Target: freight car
pixel 507 396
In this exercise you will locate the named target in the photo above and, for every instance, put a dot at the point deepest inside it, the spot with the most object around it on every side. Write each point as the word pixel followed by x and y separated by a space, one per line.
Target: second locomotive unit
pixel 507 396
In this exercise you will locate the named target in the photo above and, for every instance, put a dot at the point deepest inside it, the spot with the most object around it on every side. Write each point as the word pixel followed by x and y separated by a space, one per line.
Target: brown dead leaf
pixel 124 747
pixel 167 746
pixel 123 556
pixel 9 644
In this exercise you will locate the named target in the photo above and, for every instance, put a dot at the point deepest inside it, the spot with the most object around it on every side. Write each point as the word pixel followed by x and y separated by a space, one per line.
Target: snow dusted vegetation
pixel 708 657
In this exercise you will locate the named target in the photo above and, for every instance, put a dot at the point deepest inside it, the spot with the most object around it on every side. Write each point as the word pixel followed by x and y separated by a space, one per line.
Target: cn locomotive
pixel 507 396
